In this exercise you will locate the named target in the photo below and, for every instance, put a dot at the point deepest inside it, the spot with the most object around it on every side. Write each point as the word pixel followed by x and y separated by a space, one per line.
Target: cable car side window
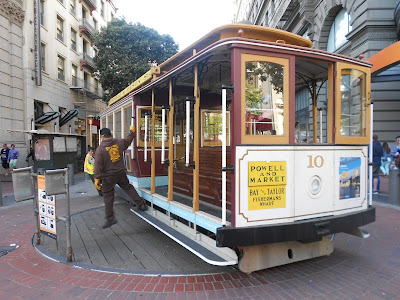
pixel 265 99
pixel 353 109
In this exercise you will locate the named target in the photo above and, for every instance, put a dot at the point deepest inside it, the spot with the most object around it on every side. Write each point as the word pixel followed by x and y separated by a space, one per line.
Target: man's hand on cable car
pixel 97 183
pixel 133 128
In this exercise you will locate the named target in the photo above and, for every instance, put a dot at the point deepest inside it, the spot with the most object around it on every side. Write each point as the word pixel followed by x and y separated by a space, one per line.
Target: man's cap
pixel 4 144
pixel 105 132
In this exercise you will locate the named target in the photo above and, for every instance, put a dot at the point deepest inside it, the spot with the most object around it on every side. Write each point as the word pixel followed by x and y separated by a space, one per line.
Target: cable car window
pixel 353 112
pixel 157 127
pixel 212 128
pixel 264 113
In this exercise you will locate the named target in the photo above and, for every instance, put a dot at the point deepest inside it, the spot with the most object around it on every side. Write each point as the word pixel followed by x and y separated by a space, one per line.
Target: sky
pixel 185 20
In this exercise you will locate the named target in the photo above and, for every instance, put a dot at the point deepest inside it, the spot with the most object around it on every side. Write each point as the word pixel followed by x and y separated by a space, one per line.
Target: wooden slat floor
pixel 205 207
pixel 131 245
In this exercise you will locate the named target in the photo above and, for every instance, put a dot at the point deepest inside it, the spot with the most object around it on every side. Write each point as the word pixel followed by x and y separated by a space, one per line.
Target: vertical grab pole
pixel 163 136
pixel 223 156
pixel 145 137
pixel 371 178
pixel 187 131
pixel 320 125
pixel 132 124
pixel 171 145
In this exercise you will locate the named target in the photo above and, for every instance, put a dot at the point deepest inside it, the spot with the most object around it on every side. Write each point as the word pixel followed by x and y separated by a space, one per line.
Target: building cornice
pixel 12 10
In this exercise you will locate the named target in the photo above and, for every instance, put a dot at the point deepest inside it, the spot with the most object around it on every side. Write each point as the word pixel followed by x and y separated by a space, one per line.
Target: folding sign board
pixel 23 185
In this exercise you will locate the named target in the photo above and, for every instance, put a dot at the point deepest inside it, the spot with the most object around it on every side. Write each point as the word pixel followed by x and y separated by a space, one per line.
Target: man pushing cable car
pixel 109 170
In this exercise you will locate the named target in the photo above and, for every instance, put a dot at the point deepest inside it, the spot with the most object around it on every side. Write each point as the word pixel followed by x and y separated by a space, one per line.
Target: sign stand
pixel 57 182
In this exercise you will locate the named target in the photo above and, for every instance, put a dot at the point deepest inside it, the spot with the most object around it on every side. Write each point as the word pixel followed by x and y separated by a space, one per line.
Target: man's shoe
pixel 109 223
pixel 143 206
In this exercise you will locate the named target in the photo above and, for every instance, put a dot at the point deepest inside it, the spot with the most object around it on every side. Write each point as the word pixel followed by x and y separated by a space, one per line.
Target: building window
pixel 86 78
pixel 72 7
pixel 38 109
pixel 84 13
pixel 43 50
pixel 73 39
pixel 74 73
pixel 95 24
pixel 102 9
pixel 84 46
pixel 61 67
pixel 60 28
pixel 339 29
pixel 42 12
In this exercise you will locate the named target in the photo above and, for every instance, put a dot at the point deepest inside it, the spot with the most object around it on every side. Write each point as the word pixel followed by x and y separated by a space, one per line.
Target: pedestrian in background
pixel 109 170
pixel 13 155
pixel 377 153
pixel 396 154
pixel 88 166
pixel 4 158
pixel 386 159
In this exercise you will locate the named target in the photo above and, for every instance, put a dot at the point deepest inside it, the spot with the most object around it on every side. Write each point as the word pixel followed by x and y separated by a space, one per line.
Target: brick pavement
pixel 357 269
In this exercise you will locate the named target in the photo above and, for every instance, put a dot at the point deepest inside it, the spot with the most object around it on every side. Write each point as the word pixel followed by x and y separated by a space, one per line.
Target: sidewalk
pixel 357 269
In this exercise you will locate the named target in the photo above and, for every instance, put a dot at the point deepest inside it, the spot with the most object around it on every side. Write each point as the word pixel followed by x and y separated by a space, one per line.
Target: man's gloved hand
pixel 133 128
pixel 97 183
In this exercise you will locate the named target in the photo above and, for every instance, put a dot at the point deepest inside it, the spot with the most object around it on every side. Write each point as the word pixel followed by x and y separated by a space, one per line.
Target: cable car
pixel 251 147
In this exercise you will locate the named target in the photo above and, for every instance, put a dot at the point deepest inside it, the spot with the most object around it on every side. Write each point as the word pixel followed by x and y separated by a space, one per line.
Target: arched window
pixel 340 28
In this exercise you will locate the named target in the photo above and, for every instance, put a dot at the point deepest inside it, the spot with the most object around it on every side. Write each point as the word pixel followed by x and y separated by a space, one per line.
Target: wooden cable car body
pixel 290 167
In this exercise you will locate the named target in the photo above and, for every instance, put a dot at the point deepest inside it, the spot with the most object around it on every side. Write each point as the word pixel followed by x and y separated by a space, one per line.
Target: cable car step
pixel 209 253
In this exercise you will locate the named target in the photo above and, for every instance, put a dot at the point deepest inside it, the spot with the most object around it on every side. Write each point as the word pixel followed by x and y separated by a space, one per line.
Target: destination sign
pixel 265 197
pixel 267 185
pixel 267 173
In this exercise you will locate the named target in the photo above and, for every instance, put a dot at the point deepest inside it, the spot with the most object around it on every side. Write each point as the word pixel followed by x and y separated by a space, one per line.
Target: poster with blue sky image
pixel 349 174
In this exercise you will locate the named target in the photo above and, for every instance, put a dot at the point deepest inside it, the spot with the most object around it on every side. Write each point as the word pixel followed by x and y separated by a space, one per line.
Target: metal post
pixel 145 138
pixel 371 177
pixel 71 173
pixel 223 157
pixel 68 221
pixel 163 136
pixel 36 210
pixel 187 132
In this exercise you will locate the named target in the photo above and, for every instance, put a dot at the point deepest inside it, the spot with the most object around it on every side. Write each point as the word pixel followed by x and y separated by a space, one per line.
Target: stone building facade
pixel 357 28
pixel 46 67
pixel 12 91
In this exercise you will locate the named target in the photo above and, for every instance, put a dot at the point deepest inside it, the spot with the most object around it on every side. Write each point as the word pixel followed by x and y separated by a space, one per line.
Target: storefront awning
pixel 68 116
pixel 385 59
pixel 47 117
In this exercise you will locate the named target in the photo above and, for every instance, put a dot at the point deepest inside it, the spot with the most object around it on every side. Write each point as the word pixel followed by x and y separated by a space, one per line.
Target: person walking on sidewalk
pixel 377 153
pixel 386 159
pixel 88 166
pixel 109 170
pixel 13 155
pixel 396 154
pixel 4 158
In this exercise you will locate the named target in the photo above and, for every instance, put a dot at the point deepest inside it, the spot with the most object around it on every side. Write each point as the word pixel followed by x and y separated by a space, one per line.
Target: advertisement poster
pixel 349 174
pixel 47 210
pixel 267 185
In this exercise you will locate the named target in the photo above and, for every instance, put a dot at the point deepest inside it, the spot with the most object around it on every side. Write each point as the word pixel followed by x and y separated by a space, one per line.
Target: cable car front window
pixel 353 114
pixel 264 98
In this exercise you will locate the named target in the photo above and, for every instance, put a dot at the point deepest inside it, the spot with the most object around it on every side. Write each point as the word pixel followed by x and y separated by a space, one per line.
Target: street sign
pixel 47 209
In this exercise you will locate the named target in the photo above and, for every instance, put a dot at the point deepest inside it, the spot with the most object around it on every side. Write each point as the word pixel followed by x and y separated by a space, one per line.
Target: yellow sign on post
pixel 47 209
pixel 267 184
